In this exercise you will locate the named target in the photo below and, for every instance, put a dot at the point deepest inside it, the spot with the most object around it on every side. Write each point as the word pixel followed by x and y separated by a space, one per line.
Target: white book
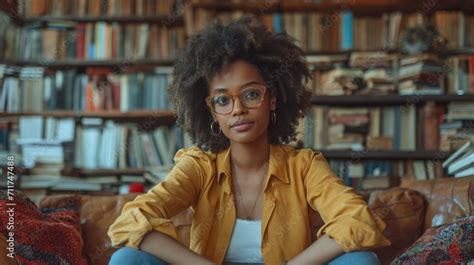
pixel 50 128
pixel 458 153
pixel 420 171
pixel 31 127
pixel 467 160
pixel 65 129
pixel 122 147
pixel 78 148
pixel 11 84
pixel 465 173
pixel 161 138
pixel 124 93
pixel 108 152
pixel 3 95
pixel 90 144
pixel 45 153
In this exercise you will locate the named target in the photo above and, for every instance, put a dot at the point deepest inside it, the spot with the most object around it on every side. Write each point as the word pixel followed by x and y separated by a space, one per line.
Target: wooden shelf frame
pixel 68 63
pixel 161 117
pixel 165 20
pixel 384 155
pixel 359 7
pixel 384 100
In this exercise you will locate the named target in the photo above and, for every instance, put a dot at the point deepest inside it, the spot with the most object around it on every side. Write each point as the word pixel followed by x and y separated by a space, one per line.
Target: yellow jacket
pixel 298 179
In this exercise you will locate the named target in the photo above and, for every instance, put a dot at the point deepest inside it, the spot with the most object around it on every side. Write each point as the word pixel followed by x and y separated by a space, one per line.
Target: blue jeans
pixel 131 256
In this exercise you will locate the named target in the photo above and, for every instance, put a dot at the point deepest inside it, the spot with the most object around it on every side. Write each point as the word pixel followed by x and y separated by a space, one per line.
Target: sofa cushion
pixel 97 214
pixel 49 236
pixel 446 244
pixel 402 210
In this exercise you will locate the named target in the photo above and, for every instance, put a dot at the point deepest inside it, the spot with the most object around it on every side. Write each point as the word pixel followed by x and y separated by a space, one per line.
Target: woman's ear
pixel 214 118
pixel 273 101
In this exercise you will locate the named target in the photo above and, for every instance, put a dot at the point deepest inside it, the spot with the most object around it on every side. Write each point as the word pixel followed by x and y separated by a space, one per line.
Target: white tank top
pixel 245 244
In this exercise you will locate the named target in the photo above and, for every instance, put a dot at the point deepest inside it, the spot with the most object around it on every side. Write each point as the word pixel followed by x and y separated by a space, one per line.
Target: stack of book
pixel 421 75
pixel 454 134
pixel 42 140
pixel 461 162
pixel 347 128
pixel 458 127
pixel 378 76
pixel 369 73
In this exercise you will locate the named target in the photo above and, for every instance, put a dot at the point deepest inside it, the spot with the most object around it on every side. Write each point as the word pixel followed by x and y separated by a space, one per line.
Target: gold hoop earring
pixel 273 117
pixel 212 129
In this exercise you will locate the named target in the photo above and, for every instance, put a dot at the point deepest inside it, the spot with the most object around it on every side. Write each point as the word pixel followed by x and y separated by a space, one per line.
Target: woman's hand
pixel 170 250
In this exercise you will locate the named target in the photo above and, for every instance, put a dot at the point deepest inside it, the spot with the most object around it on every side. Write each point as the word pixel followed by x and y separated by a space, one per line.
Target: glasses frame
pixel 233 96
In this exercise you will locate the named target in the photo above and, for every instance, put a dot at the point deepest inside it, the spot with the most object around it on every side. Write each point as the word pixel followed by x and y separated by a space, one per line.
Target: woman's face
pixel 241 81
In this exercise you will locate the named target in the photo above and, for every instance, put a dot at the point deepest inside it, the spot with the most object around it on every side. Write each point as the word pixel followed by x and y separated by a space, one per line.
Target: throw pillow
pixel 403 212
pixel 47 236
pixel 446 244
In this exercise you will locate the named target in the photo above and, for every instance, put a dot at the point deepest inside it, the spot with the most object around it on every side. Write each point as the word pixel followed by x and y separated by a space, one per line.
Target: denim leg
pixel 356 258
pixel 131 256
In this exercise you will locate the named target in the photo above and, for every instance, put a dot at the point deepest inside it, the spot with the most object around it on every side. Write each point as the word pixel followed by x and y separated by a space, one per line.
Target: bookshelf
pixel 109 104
pixel 364 7
pixel 402 157
pixel 334 48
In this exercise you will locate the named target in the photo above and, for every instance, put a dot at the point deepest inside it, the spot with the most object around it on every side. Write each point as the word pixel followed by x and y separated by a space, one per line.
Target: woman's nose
pixel 238 107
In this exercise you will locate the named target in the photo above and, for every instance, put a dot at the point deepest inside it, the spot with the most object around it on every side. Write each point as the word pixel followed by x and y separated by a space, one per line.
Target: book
pixel 465 173
pixel 379 182
pixel 464 162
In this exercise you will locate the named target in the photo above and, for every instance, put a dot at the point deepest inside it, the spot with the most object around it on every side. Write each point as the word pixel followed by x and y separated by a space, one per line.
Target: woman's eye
pixel 221 100
pixel 252 94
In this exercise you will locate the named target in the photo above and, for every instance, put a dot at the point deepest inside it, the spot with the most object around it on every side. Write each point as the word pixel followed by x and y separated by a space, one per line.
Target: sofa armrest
pixel 447 199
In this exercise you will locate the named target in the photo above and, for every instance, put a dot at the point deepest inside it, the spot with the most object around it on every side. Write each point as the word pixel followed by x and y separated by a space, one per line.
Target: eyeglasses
pixel 250 97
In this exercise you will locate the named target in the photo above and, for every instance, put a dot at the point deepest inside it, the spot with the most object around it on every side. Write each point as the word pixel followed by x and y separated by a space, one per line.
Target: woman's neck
pixel 250 157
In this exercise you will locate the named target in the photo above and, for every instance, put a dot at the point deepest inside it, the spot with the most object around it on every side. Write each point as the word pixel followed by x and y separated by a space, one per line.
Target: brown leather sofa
pixel 407 210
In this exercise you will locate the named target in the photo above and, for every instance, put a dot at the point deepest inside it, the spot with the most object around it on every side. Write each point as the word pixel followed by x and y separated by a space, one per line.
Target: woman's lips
pixel 243 127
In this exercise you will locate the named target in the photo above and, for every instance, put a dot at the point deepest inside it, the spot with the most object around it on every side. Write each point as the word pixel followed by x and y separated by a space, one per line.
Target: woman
pixel 239 91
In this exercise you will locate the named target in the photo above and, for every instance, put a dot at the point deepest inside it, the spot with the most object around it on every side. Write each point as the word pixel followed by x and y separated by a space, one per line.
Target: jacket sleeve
pixel 347 218
pixel 153 211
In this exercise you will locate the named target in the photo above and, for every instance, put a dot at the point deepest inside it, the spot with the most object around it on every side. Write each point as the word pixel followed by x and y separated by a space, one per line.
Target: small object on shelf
pixel 379 143
pixel 421 39
pixel 136 187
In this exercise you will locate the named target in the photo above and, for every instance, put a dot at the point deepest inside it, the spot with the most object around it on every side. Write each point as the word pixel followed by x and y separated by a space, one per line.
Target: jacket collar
pixel 277 164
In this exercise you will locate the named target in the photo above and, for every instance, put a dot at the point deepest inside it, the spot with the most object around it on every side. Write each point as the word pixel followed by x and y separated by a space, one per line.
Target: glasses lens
pixel 251 97
pixel 222 103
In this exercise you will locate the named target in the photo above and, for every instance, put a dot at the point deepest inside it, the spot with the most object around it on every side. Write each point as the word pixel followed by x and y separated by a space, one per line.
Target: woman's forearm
pixel 170 250
pixel 321 251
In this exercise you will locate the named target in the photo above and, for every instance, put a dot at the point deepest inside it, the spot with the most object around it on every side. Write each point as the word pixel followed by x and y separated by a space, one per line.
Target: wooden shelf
pixel 450 52
pixel 264 7
pixel 165 20
pixel 384 155
pixel 359 7
pixel 383 100
pixel 125 63
pixel 114 63
pixel 103 172
pixel 368 7
pixel 157 117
